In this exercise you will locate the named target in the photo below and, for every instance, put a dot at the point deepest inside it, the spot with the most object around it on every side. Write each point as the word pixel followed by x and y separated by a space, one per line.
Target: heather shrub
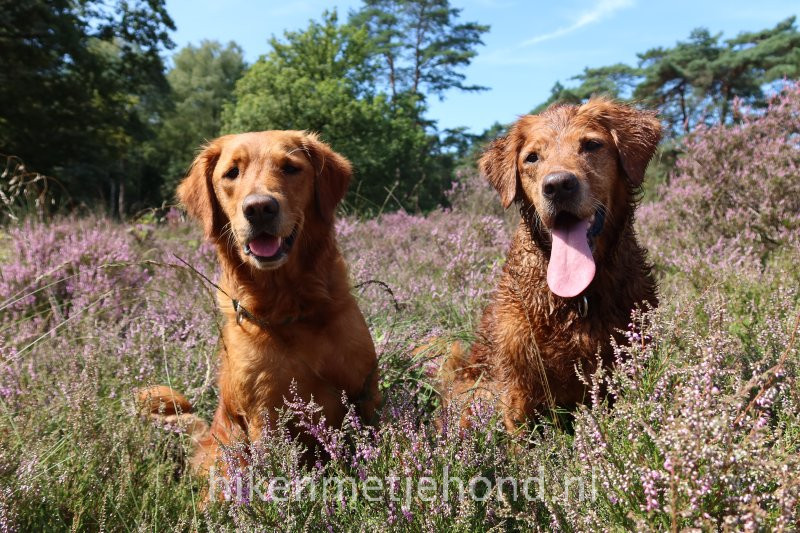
pixel 441 265
pixel 702 434
pixel 699 429
pixel 734 197
pixel 471 193
pixel 88 312
pixel 703 418
pixel 66 266
pixel 104 281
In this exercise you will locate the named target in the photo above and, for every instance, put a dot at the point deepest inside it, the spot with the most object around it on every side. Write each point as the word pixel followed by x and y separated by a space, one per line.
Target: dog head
pixel 256 193
pixel 576 167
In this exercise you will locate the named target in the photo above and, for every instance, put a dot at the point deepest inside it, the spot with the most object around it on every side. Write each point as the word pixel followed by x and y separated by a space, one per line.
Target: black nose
pixel 560 186
pixel 260 208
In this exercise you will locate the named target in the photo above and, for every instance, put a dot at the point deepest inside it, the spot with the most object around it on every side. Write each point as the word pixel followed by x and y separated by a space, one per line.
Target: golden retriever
pixel 575 270
pixel 267 200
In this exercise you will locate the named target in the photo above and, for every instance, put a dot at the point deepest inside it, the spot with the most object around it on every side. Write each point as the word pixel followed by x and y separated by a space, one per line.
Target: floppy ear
pixel 196 191
pixel 636 134
pixel 332 176
pixel 499 165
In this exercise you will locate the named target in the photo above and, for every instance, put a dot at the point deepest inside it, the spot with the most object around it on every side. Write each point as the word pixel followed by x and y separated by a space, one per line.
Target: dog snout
pixel 260 209
pixel 560 187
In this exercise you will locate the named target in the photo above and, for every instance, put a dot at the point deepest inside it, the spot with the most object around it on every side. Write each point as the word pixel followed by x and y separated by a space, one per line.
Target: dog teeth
pixel 247 250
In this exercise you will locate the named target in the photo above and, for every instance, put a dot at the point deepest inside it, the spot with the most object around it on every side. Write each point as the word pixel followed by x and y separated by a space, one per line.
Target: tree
pixel 421 45
pixel 676 80
pixel 615 81
pixel 696 81
pixel 81 83
pixel 752 60
pixel 202 81
pixel 323 79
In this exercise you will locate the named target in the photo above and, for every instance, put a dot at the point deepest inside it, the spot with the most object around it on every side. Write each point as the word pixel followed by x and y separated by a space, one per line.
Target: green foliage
pixel 84 97
pixel 420 44
pixel 615 81
pixel 202 81
pixel 80 82
pixel 324 79
pixel 751 60
pixel 672 77
pixel 697 80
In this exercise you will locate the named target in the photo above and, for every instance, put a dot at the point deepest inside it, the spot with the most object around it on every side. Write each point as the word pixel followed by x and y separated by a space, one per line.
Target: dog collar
pixel 242 313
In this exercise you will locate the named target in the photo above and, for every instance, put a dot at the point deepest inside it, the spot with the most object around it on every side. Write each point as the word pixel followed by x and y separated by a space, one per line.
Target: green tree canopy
pixel 675 78
pixel 420 44
pixel 84 96
pixel 615 81
pixel 202 80
pixel 752 60
pixel 80 84
pixel 697 80
pixel 326 78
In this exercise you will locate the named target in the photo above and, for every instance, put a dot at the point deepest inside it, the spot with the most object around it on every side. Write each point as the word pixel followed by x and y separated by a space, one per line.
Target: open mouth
pixel 267 248
pixel 571 268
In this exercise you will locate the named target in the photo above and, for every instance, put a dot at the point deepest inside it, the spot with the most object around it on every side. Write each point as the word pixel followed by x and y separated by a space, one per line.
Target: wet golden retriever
pixel 575 270
pixel 267 200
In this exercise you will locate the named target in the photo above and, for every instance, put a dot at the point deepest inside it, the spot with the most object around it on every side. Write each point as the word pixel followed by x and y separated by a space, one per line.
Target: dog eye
pixel 290 169
pixel 232 174
pixel 532 158
pixel 591 145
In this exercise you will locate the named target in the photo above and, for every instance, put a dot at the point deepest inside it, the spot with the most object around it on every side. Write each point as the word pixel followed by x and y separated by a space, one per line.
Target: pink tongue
pixel 571 266
pixel 265 246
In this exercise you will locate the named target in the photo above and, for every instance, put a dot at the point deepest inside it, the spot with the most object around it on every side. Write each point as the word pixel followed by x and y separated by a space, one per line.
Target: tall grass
pixel 703 432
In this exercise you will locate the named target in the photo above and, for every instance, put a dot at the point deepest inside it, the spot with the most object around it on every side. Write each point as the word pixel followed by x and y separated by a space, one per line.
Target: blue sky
pixel 531 44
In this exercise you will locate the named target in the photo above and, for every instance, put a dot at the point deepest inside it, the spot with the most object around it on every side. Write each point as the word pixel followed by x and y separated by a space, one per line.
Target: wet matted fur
pixel 530 340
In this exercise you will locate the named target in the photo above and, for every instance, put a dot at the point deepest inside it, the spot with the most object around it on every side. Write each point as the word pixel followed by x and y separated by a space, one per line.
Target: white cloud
pixel 601 10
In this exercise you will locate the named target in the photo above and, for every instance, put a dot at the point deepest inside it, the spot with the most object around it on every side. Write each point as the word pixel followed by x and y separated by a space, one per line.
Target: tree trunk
pixel 684 112
pixel 112 197
pixel 723 108
pixel 121 199
pixel 418 49
pixel 392 76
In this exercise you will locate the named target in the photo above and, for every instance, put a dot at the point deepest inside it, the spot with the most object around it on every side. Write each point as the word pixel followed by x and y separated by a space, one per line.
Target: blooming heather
pixel 734 197
pixel 694 427
pixel 447 258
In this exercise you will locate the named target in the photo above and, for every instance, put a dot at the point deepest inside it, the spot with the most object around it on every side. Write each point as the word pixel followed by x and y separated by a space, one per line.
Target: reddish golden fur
pixel 526 328
pixel 314 333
